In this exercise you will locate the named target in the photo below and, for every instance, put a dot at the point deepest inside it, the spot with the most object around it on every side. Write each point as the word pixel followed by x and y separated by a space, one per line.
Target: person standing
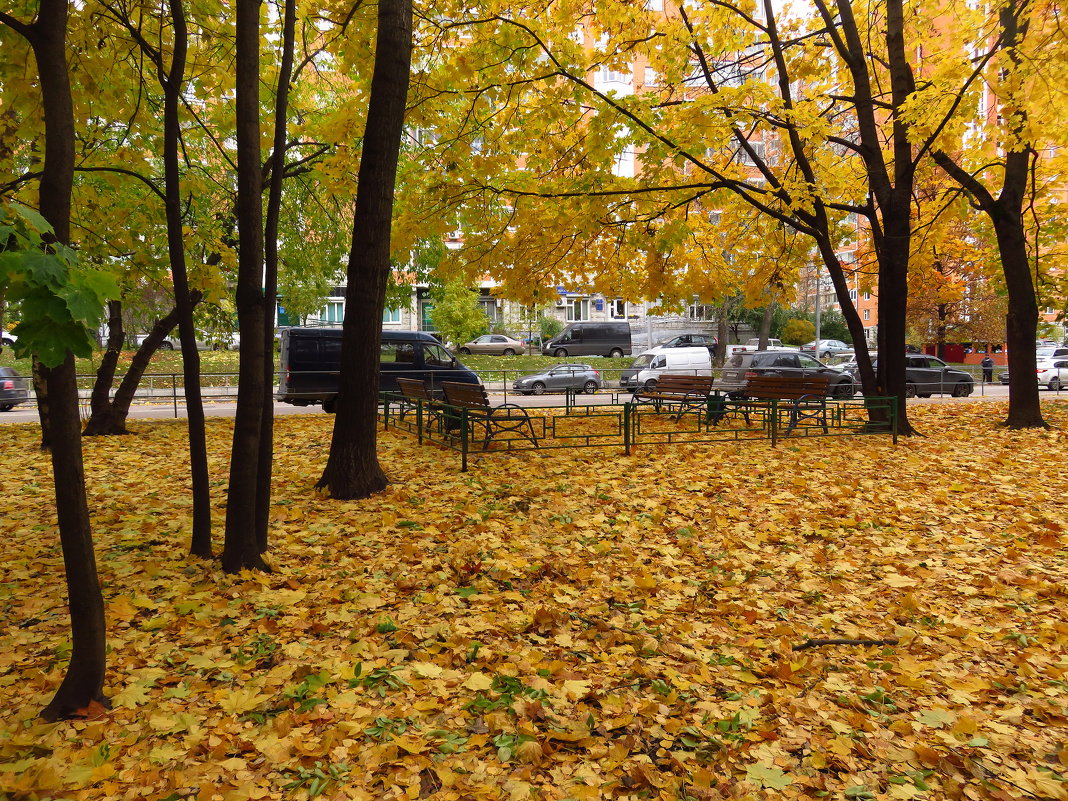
pixel 988 369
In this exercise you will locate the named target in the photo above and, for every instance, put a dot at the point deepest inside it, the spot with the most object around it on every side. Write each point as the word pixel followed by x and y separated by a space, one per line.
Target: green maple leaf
pixel 768 776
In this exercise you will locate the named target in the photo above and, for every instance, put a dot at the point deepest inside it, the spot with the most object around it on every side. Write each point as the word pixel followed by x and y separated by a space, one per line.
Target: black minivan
pixel 590 339
pixel 311 363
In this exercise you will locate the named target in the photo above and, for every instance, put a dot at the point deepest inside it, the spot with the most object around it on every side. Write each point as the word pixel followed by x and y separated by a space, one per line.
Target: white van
pixel 649 366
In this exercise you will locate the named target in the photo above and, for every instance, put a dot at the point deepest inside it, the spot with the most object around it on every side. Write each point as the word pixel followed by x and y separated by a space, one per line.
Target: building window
pixel 391 316
pixel 867 314
pixel 489 308
pixel 654 5
pixel 853 295
pixel 606 75
pixel 867 296
pixel 618 309
pixel 758 149
pixel 651 78
pixel 699 311
pixel 334 311
pixel 577 309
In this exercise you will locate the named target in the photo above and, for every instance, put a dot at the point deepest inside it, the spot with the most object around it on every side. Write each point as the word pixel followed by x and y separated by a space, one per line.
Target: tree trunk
pixel 1021 321
pixel 105 373
pixel 241 548
pixel 270 277
pixel 352 470
pixel 765 324
pixel 722 333
pixel 83 683
pixel 173 82
pixel 110 418
pixel 84 680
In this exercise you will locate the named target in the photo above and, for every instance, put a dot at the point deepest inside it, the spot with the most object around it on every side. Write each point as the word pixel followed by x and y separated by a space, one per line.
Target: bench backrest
pixel 766 387
pixel 471 396
pixel 414 389
pixel 689 384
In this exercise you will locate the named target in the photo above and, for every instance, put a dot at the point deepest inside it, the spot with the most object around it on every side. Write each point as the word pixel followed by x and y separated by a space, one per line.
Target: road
pixel 226 407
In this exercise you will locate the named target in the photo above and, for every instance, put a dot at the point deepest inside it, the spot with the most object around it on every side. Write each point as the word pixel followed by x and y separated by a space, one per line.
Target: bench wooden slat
pixel 507 417
pixel 807 396
pixel 767 387
pixel 688 392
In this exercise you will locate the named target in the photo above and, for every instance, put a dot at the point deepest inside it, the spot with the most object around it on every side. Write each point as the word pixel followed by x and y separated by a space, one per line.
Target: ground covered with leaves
pixel 566 625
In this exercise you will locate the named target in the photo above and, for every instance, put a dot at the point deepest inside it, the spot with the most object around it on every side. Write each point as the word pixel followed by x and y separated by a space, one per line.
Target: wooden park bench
pixel 415 394
pixel 806 397
pixel 684 393
pixel 507 418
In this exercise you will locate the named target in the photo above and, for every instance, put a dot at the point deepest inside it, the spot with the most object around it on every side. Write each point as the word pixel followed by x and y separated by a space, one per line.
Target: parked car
pixel 649 366
pixel 310 364
pixel 741 366
pixel 1051 373
pixel 827 348
pixel 591 339
pixel 927 375
pixel 1050 352
pixel 754 344
pixel 14 389
pixel 9 339
pixel 205 341
pixel 561 377
pixel 494 344
pixel 691 341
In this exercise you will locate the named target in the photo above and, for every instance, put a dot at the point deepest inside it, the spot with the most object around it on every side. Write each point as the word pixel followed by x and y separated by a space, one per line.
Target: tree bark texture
pixel 270 276
pixel 352 469
pixel 110 418
pixel 100 398
pixel 241 548
pixel 83 682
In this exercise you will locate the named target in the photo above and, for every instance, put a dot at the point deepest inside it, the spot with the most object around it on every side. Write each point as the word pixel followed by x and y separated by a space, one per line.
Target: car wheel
pixel 616 353
pixel 166 346
pixel 8 343
pixel 6 407
pixel 589 387
pixel 559 352
pixel 538 388
pixel 216 346
pixel 910 389
pixel 1055 384
pixel 650 384
pixel 960 390
pixel 509 352
pixel 845 390
pixel 465 351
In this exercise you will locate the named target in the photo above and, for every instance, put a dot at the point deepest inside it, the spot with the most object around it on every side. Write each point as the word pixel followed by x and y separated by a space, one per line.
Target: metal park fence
pixel 628 427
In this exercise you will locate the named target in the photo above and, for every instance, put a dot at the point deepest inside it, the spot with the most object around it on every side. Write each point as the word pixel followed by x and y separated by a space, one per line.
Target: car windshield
pixel 643 361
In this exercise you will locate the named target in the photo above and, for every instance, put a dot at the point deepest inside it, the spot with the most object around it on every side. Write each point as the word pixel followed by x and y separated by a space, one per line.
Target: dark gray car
pixel 577 377
pixel 928 375
pixel 741 366
pixel 14 389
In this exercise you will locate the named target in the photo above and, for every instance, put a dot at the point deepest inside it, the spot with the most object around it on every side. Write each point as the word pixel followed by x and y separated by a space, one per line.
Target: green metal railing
pixel 628 426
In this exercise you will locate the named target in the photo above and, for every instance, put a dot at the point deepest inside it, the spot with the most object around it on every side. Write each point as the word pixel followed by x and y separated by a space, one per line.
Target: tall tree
pixel 84 680
pixel 270 273
pixel 242 547
pixel 171 74
pixel 1002 184
pixel 352 469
